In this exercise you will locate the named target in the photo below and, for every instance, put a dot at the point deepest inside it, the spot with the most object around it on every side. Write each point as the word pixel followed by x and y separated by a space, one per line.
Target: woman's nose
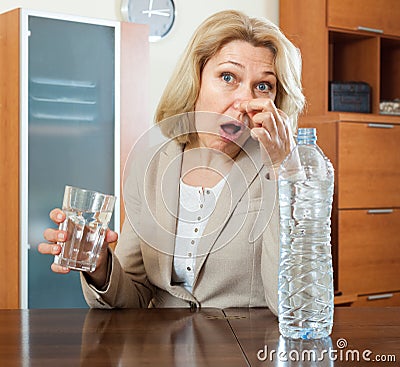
pixel 243 93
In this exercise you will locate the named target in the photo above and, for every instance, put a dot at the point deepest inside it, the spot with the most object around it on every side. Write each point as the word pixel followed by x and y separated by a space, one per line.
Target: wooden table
pixel 372 331
pixel 95 338
pixel 179 337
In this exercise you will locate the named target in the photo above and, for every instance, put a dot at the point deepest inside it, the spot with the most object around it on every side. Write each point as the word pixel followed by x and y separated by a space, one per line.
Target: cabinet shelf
pixel 335 49
pixel 345 52
pixel 374 59
pixel 363 117
pixel 389 70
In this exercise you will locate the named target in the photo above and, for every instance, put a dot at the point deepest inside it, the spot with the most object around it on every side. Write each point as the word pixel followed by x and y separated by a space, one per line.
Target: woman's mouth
pixel 232 130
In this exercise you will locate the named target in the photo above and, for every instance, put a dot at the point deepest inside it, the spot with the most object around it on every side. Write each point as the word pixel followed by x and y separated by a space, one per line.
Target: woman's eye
pixel 227 77
pixel 264 87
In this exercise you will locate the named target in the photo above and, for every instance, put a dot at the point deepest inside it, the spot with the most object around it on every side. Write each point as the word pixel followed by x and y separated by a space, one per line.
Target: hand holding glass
pixel 87 216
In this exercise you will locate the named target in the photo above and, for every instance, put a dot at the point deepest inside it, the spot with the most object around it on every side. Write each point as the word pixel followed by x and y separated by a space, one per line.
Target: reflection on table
pixel 135 337
pixel 180 337
pixel 164 337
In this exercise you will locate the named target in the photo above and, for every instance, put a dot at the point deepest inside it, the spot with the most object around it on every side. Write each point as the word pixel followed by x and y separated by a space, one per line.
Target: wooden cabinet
pixel 366 211
pixel 9 181
pixel 389 299
pixel 382 16
pixel 42 76
pixel 369 251
pixel 355 40
pixel 364 151
pixel 304 23
pixel 334 49
pixel 355 57
pixel 369 165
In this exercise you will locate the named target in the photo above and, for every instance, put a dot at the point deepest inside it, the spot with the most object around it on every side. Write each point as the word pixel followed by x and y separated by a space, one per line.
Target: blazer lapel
pixel 244 171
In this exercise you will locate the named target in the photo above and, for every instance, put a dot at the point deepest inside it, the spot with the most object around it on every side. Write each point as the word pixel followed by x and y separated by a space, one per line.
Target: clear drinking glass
pixel 88 214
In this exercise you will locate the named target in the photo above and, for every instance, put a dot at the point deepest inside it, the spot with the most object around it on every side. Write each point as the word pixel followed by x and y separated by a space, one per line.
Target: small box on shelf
pixel 349 97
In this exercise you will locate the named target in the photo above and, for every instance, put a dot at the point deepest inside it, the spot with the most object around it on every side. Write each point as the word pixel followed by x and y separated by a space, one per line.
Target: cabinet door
pixel 389 299
pixel 369 255
pixel 71 136
pixel 370 15
pixel 369 165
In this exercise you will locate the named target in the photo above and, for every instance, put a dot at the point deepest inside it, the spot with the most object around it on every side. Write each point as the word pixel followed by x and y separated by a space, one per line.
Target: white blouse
pixel 195 207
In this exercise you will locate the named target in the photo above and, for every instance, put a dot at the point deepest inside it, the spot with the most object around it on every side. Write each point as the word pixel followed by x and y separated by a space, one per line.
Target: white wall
pixel 165 53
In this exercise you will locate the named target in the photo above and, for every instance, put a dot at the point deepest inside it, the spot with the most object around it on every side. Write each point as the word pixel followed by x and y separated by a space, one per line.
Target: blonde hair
pixel 183 88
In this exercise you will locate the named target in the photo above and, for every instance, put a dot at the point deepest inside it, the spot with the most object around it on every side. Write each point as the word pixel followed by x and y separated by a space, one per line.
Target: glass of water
pixel 88 214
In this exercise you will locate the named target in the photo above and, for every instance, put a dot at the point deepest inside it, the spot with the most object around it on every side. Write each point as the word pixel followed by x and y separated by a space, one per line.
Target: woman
pixel 202 220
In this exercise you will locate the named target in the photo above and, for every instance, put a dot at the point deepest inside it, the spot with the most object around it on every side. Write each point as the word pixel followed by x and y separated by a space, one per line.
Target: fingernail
pixel 55 249
pixel 59 216
pixel 60 236
pixel 253 135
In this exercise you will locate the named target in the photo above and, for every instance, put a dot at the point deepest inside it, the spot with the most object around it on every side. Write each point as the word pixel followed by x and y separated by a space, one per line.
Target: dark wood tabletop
pixel 180 337
pixel 372 331
pixel 135 337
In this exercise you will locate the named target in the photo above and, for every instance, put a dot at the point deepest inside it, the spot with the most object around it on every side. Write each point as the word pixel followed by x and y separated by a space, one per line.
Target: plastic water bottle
pixel 306 180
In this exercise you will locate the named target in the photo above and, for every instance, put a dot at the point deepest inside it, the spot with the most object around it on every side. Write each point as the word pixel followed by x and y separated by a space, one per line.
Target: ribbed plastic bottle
pixel 306 180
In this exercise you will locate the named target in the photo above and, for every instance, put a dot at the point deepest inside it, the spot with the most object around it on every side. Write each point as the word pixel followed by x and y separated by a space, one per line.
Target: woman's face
pixel 238 72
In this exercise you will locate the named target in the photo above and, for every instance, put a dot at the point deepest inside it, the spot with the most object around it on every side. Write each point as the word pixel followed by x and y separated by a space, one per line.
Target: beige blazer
pixel 237 256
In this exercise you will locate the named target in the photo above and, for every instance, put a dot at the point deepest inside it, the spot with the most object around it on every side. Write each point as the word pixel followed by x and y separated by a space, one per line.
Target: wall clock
pixel 158 14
